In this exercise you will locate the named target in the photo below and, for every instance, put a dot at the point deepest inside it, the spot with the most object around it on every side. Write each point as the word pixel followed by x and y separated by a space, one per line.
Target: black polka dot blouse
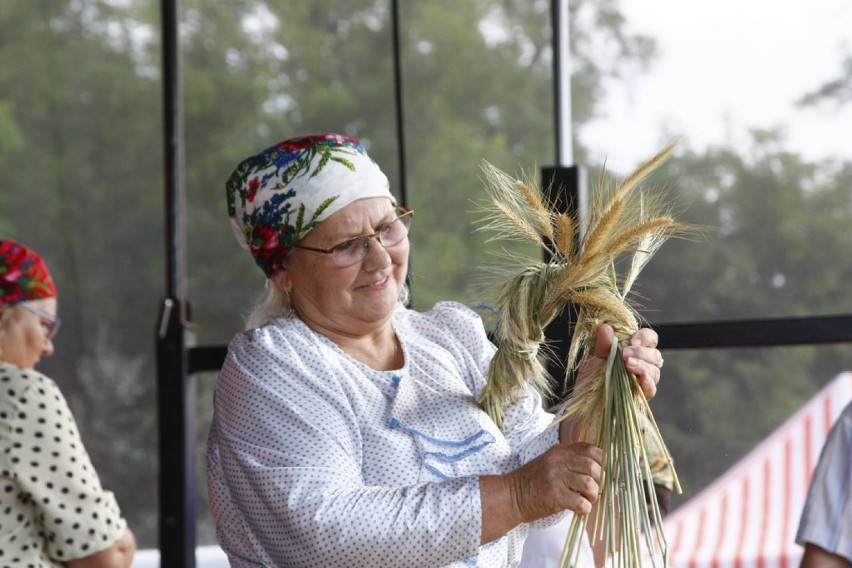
pixel 52 506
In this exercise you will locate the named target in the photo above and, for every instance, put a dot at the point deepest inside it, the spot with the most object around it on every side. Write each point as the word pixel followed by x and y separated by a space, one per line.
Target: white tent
pixel 748 517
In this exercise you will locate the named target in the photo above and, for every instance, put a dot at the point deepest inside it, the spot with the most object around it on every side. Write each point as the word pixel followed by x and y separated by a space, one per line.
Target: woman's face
pixel 352 300
pixel 23 334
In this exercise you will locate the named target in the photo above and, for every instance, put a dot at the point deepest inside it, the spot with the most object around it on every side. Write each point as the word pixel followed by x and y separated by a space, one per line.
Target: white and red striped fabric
pixel 748 517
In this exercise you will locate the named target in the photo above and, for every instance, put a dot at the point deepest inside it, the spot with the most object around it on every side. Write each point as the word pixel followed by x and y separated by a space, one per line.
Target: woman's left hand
pixel 641 356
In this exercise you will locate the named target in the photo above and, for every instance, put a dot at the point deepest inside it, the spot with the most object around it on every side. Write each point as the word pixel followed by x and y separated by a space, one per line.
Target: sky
pixel 727 66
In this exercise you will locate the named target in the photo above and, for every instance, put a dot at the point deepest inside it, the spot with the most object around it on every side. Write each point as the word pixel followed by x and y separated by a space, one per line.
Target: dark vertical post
pixel 565 185
pixel 175 388
pixel 400 117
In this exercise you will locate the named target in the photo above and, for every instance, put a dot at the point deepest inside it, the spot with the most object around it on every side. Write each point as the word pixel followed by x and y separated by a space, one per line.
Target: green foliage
pixel 835 92
pixel 775 220
pixel 773 254
pixel 81 184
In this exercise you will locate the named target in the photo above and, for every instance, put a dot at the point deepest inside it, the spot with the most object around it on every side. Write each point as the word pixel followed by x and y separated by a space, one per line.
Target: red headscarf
pixel 23 274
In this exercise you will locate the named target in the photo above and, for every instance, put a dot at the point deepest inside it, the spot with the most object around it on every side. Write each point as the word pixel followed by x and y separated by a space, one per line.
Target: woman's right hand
pixel 567 476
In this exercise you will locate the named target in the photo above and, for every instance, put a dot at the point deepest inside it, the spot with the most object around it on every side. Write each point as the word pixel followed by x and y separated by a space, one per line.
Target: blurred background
pixel 762 94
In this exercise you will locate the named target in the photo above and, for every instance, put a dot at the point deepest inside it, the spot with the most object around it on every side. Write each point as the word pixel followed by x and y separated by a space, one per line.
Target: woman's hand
pixel 119 555
pixel 641 357
pixel 566 476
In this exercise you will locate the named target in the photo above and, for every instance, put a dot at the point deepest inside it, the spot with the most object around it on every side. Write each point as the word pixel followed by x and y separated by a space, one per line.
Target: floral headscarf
pixel 278 196
pixel 23 275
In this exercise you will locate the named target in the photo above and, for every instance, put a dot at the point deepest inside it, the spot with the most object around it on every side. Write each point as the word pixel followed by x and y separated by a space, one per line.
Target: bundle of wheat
pixel 625 219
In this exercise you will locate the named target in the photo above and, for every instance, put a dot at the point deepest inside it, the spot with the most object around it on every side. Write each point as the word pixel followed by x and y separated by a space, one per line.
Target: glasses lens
pixel 53 328
pixel 49 321
pixel 350 252
pixel 354 251
pixel 394 232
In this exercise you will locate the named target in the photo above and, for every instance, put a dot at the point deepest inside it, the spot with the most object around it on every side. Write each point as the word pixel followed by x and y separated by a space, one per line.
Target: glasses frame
pixel 53 321
pixel 405 214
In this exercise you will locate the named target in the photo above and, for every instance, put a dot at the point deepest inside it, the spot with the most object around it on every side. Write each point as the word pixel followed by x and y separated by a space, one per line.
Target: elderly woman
pixel 346 430
pixel 53 511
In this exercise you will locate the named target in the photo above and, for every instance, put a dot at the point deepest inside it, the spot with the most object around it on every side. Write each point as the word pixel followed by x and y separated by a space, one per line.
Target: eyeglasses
pixel 49 322
pixel 354 250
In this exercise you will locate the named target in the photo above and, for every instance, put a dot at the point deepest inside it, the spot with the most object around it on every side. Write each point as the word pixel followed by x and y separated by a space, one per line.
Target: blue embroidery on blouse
pixel 437 472
pixel 483 306
pixel 394 423
pixel 472 559
pixel 459 456
pixel 469 449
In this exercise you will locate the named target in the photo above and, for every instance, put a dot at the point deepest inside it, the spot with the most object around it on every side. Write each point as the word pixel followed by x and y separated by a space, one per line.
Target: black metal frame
pixel 770 332
pixel 175 384
pixel 178 360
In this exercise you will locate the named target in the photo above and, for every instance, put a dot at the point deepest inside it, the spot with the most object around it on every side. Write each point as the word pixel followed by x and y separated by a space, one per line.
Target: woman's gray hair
pixel 274 303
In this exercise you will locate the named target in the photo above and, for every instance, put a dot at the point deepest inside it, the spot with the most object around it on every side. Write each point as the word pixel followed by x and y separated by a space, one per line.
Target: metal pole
pixel 562 82
pixel 562 106
pixel 400 119
pixel 400 122
pixel 175 388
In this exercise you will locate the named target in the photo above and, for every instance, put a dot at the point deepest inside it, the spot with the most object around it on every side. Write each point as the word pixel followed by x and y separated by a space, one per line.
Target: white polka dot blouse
pixel 316 460
pixel 52 506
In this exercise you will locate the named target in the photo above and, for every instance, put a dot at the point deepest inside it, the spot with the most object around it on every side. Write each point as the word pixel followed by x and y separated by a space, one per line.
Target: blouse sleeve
pixel 826 519
pixel 529 429
pixel 51 465
pixel 284 475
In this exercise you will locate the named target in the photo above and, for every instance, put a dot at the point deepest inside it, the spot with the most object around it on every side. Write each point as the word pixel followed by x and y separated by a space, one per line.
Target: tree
pixel 82 172
pixel 773 253
pixel 837 91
